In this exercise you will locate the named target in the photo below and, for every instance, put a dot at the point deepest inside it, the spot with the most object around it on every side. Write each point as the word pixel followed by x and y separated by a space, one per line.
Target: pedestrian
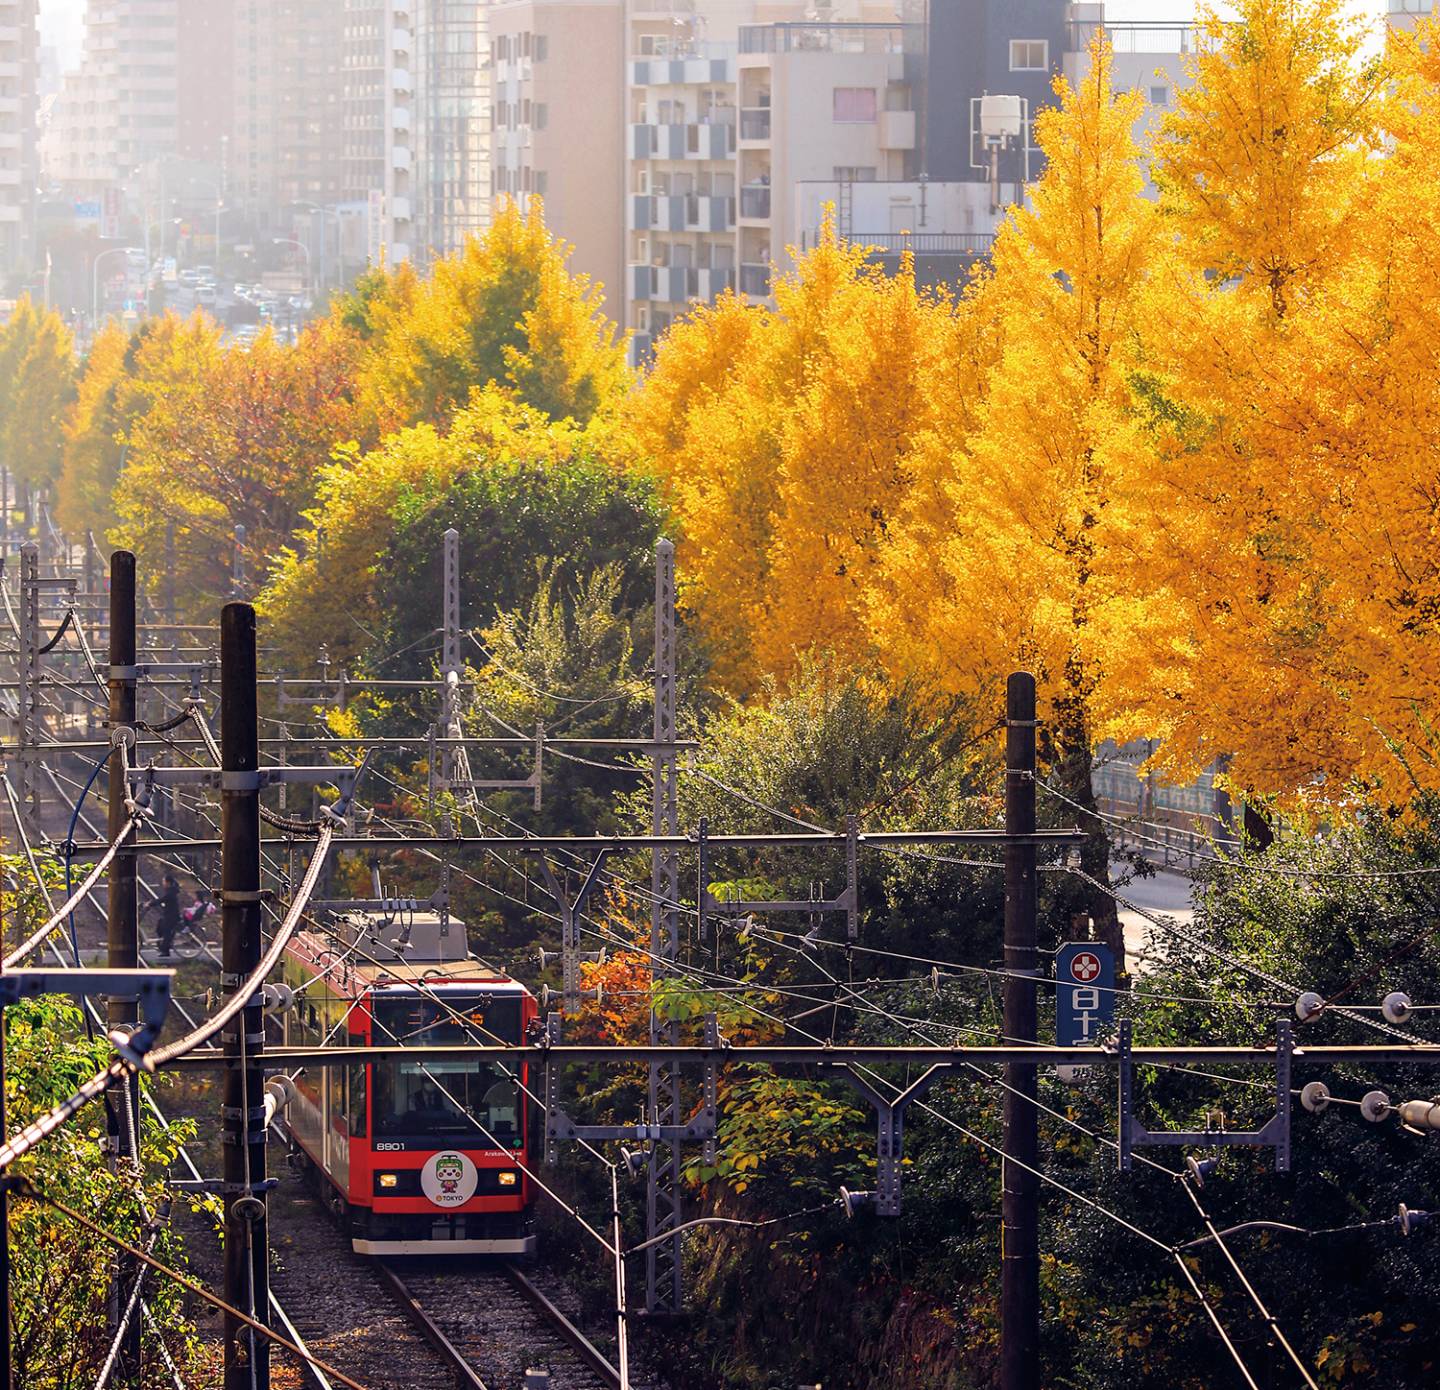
pixel 168 905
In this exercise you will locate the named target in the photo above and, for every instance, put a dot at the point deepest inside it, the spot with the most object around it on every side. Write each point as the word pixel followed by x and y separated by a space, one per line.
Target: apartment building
pixel 988 47
pixel 120 109
pixel 547 144
pixel 377 95
pixel 288 140
pixel 452 122
pixel 726 110
pixel 19 43
pixel 1405 14
pixel 205 79
pixel 819 101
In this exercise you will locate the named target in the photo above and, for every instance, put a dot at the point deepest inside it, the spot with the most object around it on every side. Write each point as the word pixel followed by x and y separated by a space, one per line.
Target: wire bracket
pixel 1273 1134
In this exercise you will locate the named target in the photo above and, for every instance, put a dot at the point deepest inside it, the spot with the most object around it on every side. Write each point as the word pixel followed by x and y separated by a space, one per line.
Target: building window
pixel 854 105
pixel 1159 96
pixel 541 115
pixel 542 48
pixel 542 184
pixel 1029 55
pixel 854 173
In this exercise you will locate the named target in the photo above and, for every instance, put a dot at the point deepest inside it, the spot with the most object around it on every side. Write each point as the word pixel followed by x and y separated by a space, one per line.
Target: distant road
pixel 1167 893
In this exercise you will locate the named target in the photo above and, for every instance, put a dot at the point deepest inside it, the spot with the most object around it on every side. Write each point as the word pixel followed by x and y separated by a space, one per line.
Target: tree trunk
pixel 1257 833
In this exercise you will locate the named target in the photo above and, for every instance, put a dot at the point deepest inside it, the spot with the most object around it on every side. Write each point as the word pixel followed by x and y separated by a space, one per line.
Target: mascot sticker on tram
pixel 449 1179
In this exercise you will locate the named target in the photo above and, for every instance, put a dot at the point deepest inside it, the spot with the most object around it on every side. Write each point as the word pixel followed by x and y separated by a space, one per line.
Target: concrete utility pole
pixel 242 1124
pixel 237 565
pixel 123 917
pixel 664 1282
pixel 1020 1195
pixel 29 730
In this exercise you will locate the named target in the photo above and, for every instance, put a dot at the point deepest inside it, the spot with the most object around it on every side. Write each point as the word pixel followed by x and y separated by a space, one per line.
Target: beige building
pixel 19 42
pixel 558 69
pixel 288 138
pixel 729 106
pixel 119 109
pixel 1405 14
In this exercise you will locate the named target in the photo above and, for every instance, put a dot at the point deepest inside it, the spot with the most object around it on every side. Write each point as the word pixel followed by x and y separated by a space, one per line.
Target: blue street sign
pixel 1084 992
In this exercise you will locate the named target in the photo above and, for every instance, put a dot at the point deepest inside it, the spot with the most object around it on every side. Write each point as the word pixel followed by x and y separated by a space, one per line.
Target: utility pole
pixel 29 730
pixel 1020 1189
pixel 237 565
pixel 170 573
pixel 123 927
pixel 242 1124
pixel 7 1375
pixel 664 1281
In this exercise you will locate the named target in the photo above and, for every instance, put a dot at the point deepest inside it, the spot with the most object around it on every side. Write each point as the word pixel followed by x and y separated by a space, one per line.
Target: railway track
pixel 491 1323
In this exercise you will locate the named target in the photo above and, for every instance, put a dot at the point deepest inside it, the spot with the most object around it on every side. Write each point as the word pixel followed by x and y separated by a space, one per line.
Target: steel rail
pixel 588 1352
pixel 429 1329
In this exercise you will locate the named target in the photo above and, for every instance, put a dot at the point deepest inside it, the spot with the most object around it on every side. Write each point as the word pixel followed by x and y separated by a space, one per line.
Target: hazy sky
pixel 62 22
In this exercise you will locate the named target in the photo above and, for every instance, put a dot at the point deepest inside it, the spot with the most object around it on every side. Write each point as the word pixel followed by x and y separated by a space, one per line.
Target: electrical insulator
pixel 1396 1007
pixel 855 1201
pixel 1308 1005
pixel 1200 1169
pixel 1420 1114
pixel 1409 1220
pixel 1315 1096
pixel 1375 1106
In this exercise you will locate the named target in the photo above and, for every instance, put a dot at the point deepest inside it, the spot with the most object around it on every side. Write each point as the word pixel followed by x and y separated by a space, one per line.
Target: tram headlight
pixel 389 1179
pixel 508 1178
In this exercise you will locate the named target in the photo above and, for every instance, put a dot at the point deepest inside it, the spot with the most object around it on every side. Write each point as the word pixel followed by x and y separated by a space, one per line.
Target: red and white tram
pixel 423 1157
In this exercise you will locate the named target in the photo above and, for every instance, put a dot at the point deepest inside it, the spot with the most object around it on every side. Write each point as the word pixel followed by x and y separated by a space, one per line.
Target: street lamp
pixel 291 241
pixel 325 212
pixel 95 283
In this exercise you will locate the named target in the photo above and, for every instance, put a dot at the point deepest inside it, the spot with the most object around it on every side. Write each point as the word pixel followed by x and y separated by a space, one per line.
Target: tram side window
pixel 355 1076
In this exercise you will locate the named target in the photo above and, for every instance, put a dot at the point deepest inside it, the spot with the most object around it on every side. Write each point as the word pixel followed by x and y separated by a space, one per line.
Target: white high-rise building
pixel 19 42
pixel 378 102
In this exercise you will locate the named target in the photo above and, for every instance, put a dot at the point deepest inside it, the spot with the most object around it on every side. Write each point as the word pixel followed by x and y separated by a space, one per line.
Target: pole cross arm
pixel 342 777
pixel 1273 1134
pixel 149 988
pixel 847 901
pixel 385 906
pixel 570 913
pixel 890 1126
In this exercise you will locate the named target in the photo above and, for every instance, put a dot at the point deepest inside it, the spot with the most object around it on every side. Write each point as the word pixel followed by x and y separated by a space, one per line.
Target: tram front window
pixel 460 1101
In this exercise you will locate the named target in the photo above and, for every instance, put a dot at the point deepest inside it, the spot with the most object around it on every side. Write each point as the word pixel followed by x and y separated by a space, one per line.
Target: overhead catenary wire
pixel 26 1188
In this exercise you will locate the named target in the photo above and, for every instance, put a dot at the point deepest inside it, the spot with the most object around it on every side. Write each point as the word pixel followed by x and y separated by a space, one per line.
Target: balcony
pixel 400 118
pixel 755 202
pixel 399 209
pixel 709 214
pixel 400 159
pixel 642 280
pixel 400 81
pixel 755 123
pixel 400 40
pixel 755 280
pixel 707 140
pixel 650 212
pixel 680 71
pixel 714 282
pixel 897 130
pixel 665 284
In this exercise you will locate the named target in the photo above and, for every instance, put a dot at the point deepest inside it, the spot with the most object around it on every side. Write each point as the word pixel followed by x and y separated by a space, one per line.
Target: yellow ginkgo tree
pixel 1042 561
